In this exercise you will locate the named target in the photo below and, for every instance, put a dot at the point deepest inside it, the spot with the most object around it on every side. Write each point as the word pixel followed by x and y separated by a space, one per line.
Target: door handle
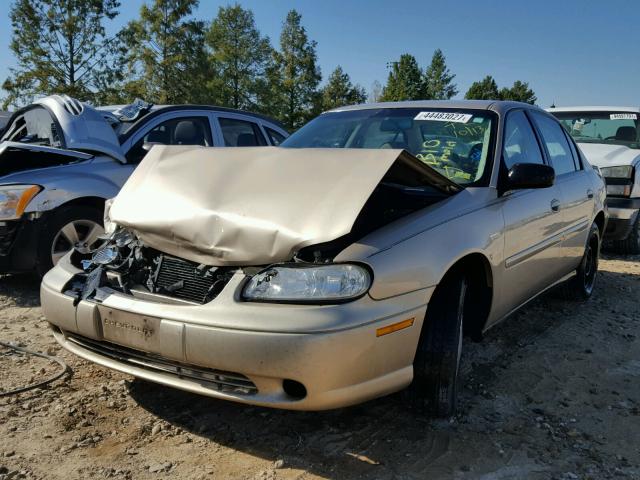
pixel 555 205
pixel 589 193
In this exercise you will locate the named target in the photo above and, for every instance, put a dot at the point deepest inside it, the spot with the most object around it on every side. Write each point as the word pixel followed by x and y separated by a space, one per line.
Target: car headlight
pixel 619 190
pixel 621 171
pixel 15 198
pixel 308 283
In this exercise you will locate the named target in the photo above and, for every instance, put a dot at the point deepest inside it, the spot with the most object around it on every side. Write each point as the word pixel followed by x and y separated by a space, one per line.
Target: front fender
pixel 416 252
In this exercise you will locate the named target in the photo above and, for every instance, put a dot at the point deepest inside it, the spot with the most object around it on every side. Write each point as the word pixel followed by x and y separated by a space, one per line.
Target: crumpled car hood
pixel 256 205
pixel 603 155
pixel 84 128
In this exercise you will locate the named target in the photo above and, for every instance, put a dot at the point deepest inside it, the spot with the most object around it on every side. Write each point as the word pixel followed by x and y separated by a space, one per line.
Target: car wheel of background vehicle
pixel 581 286
pixel 631 244
pixel 437 362
pixel 66 228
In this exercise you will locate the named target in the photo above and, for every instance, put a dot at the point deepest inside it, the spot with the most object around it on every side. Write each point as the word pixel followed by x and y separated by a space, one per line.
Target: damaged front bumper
pixel 305 357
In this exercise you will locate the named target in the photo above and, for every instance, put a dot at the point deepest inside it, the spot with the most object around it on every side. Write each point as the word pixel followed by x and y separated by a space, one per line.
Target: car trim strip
pixel 544 244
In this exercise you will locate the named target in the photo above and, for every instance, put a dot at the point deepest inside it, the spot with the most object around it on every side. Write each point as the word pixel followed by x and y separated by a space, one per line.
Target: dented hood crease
pixel 256 205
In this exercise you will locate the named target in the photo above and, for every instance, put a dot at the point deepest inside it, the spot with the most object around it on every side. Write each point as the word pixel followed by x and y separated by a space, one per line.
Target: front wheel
pixel 68 228
pixel 581 286
pixel 437 362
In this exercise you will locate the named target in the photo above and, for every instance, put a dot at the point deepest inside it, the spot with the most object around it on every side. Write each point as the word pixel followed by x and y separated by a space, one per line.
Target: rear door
pixel 576 191
pixel 533 221
pixel 238 130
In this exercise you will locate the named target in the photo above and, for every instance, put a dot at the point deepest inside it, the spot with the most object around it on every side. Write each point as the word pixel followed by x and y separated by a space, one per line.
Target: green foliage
pixel 519 92
pixel 165 54
pixel 293 77
pixel 438 80
pixel 339 91
pixel 485 89
pixel 240 57
pixel 61 47
pixel 405 81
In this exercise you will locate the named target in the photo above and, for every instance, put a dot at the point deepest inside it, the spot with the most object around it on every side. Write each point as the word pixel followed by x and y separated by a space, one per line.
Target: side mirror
pixel 530 175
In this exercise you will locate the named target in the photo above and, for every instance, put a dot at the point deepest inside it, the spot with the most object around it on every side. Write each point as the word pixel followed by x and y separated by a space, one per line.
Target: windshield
pixel 619 128
pixel 36 126
pixel 455 143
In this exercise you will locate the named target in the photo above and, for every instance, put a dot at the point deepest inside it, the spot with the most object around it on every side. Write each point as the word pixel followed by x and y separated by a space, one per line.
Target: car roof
pixel 600 108
pixel 157 109
pixel 498 106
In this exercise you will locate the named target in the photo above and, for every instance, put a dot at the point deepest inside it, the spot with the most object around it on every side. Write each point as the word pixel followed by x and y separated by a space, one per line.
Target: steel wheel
pixel 80 234
pixel 590 265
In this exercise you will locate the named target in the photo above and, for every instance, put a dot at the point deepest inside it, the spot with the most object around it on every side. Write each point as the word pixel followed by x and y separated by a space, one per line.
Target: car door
pixel 182 127
pixel 576 191
pixel 533 221
pixel 240 131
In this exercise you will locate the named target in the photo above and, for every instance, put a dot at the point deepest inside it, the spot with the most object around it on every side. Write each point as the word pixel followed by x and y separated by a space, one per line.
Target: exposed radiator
pixel 183 279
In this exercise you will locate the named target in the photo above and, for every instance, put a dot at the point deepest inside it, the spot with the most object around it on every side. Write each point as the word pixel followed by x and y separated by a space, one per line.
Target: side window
pixel 177 131
pixel 240 133
pixel 520 144
pixel 275 137
pixel 557 145
pixel 576 157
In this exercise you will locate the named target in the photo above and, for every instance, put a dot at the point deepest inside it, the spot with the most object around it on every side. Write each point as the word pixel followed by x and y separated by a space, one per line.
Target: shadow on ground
pixel 23 289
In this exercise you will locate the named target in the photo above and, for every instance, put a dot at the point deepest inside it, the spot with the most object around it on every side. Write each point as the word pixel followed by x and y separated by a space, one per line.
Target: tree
pixel 405 81
pixel 486 89
pixel 339 91
pixel 376 92
pixel 240 57
pixel 294 75
pixel 438 79
pixel 61 47
pixel 165 53
pixel 519 92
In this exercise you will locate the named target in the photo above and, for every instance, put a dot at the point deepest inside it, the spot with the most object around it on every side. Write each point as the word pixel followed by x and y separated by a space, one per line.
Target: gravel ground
pixel 551 393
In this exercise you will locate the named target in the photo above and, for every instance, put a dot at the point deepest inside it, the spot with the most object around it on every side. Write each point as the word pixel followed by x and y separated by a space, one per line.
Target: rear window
pixel 34 126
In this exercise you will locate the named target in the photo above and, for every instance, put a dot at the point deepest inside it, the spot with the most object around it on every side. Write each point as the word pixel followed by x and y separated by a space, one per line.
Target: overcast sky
pixel 572 52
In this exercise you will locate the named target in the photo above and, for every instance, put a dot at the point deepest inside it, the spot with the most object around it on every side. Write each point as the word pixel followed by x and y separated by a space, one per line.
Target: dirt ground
pixel 551 393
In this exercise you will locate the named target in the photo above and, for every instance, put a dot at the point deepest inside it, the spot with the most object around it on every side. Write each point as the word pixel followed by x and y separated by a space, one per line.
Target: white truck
pixel 610 139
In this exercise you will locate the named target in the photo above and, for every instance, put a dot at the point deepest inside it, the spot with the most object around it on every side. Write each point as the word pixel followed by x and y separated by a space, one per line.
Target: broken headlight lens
pixel 308 284
pixel 105 255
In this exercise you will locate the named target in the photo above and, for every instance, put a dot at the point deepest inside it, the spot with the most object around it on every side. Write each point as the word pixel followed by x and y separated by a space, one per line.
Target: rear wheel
pixel 68 228
pixel 437 362
pixel 581 286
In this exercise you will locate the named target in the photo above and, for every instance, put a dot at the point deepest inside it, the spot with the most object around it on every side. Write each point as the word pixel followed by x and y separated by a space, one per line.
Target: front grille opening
pixel 220 380
pixel 294 389
pixel 147 273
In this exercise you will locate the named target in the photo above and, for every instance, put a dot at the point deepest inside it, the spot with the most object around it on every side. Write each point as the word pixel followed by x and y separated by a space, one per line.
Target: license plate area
pixel 130 330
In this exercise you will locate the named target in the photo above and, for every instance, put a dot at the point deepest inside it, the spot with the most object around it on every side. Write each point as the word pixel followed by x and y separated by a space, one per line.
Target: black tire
pixel 437 362
pixel 631 244
pixel 581 286
pixel 57 220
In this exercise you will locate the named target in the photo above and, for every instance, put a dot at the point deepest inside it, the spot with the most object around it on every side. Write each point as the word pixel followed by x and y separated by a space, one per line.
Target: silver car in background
pixel 345 265
pixel 60 159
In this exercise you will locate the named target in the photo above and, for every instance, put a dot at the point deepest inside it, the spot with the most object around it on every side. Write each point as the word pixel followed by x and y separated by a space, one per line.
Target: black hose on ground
pixel 64 366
